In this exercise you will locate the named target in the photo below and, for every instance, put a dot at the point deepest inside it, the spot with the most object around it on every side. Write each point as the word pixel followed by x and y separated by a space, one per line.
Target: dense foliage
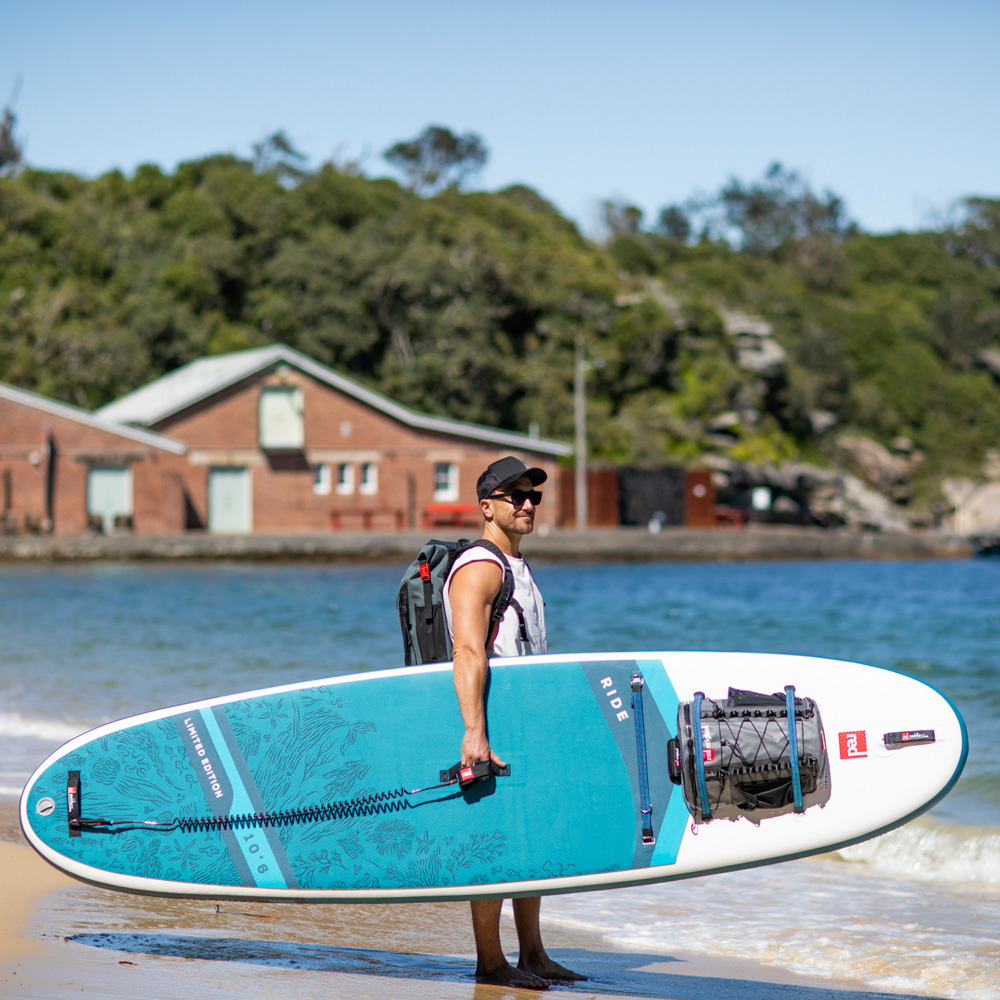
pixel 470 304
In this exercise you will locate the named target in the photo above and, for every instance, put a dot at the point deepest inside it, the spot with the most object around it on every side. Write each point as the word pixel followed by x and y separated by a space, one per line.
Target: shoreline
pixel 60 934
pixel 754 543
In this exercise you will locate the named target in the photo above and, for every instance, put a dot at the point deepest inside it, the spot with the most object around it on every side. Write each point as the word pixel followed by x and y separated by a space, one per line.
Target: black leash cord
pixel 368 805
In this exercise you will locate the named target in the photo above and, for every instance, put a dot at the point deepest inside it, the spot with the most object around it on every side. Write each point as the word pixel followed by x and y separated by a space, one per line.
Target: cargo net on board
pixel 753 755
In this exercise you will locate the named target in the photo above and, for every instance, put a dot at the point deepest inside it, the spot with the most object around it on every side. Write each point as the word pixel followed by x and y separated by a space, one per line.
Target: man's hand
pixel 476 747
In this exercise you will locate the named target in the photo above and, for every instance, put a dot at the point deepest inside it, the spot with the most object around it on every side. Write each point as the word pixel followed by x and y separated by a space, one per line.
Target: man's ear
pixel 487 508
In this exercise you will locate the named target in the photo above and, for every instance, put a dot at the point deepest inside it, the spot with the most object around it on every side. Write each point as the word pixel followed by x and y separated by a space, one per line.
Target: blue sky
pixel 891 105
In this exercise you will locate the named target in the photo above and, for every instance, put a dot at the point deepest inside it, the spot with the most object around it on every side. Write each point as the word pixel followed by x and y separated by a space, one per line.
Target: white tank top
pixel 508 641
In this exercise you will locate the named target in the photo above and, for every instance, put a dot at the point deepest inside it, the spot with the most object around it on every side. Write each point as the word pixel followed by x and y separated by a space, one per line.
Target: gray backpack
pixel 420 601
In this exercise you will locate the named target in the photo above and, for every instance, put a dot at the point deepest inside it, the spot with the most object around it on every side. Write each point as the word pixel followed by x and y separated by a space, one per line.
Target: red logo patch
pixel 707 751
pixel 853 744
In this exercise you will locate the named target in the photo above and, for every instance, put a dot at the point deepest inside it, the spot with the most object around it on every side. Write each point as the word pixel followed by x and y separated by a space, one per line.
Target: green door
pixel 229 507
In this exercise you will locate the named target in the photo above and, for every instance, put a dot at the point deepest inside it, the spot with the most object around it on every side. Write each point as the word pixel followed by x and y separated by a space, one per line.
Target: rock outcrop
pixel 802 493
pixel 885 472
pixel 753 341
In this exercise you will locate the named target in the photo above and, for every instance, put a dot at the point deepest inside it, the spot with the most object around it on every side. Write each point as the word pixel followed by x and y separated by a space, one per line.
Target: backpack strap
pixel 793 748
pixel 505 597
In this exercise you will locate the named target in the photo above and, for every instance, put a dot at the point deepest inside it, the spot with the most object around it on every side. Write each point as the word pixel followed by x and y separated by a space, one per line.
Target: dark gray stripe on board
pixel 611 683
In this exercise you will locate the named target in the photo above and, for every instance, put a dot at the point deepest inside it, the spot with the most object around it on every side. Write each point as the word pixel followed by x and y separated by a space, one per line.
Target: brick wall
pixel 157 475
pixel 223 432
pixel 170 492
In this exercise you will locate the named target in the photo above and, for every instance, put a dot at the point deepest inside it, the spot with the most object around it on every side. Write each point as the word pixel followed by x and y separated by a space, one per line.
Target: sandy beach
pixel 59 937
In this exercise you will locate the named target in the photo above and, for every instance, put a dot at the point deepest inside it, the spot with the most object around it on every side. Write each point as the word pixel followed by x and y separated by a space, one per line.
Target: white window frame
pixel 445 481
pixel 322 479
pixel 289 414
pixel 368 480
pixel 345 478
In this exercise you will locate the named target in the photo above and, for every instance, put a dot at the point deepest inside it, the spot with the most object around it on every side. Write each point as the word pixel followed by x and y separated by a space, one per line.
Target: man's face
pixel 508 517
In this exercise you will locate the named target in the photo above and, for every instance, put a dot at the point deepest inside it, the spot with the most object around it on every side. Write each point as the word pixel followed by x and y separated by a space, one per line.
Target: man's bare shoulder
pixel 481 576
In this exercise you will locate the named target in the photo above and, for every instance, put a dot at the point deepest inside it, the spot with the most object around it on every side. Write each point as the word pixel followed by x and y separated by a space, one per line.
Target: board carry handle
pixel 469 774
pixel 73 805
pixel 908 738
pixel 645 806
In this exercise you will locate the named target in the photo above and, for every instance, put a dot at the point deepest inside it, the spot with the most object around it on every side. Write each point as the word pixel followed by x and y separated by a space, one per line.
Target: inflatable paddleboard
pixel 623 769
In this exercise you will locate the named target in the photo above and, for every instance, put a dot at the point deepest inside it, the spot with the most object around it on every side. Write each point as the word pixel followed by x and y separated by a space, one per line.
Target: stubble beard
pixel 519 524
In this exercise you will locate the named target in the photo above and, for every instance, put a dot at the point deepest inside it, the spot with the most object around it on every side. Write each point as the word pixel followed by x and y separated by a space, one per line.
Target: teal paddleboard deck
pixel 331 791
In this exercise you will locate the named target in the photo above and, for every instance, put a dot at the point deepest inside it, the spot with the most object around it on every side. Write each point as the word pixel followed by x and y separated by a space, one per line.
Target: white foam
pixel 52 731
pixel 818 917
pixel 928 851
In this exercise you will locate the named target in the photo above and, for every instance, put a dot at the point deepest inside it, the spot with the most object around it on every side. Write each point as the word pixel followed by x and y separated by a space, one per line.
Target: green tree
pixel 276 156
pixel 11 152
pixel 762 217
pixel 976 236
pixel 674 222
pixel 470 304
pixel 438 158
pixel 620 218
pixel 779 209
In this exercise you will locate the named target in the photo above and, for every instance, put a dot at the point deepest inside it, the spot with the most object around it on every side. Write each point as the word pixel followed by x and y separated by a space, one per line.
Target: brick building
pixel 275 442
pixel 66 471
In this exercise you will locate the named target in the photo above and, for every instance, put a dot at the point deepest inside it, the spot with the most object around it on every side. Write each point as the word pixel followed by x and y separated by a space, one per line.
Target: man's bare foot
pixel 507 975
pixel 548 969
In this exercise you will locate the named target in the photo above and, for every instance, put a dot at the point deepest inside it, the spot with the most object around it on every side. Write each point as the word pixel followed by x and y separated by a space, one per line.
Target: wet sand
pixel 59 938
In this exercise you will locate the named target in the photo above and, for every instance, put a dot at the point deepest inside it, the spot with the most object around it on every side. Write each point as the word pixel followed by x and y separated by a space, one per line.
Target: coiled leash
pixel 367 805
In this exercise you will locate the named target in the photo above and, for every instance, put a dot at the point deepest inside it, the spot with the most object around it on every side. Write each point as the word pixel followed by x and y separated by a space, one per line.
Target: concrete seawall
pixel 755 543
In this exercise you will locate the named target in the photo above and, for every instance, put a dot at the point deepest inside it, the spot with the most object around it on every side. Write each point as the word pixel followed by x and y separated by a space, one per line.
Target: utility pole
pixel 580 422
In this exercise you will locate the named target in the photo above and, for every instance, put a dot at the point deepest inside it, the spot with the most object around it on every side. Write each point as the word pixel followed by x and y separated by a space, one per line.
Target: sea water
pixel 916 910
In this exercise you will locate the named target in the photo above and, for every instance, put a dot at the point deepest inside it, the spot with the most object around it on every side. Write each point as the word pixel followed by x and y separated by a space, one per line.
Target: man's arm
pixel 474 587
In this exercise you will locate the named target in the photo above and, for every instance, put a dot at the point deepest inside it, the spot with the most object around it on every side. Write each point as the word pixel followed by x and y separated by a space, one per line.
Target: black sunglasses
pixel 517 497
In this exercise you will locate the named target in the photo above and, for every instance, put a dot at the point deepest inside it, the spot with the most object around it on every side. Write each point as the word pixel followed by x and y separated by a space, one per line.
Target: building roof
pixel 56 409
pixel 201 379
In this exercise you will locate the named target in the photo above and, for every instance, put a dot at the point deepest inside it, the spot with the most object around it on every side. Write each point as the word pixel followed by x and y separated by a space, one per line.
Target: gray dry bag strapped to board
pixel 743 754
pixel 420 600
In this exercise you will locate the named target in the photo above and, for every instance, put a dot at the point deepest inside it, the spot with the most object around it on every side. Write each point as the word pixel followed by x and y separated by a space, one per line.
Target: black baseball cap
pixel 505 471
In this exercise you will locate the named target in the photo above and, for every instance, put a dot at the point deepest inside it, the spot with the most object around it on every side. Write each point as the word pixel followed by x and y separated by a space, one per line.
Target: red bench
pixel 367 517
pixel 452 515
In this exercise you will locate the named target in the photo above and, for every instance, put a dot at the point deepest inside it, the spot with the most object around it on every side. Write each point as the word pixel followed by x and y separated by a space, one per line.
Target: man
pixel 508 498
